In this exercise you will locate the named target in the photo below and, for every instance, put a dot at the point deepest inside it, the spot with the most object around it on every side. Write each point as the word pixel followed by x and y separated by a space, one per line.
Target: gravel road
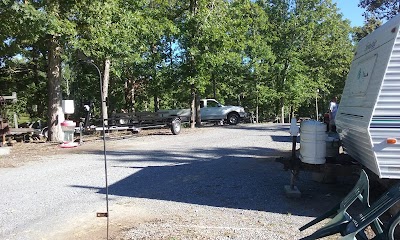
pixel 208 183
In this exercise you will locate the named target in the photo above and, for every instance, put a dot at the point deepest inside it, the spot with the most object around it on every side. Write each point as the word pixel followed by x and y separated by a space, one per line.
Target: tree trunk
pixel 106 81
pixel 193 110
pixel 293 116
pixel 282 111
pixel 54 115
pixel 257 108
pixel 193 6
pixel 316 106
pixel 156 103
pixel 214 86
pixel 285 72
pixel 39 111
pixel 130 95
pixel 198 115
pixel 192 107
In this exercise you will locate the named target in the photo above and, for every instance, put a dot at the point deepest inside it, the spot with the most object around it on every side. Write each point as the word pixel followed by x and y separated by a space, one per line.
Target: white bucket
pixel 68 106
pixel 68 128
pixel 312 142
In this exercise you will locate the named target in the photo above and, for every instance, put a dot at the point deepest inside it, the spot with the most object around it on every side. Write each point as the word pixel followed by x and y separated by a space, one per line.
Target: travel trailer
pixel 368 119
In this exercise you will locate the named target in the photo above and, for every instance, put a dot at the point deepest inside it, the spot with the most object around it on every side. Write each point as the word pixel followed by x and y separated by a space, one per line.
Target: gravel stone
pixel 208 183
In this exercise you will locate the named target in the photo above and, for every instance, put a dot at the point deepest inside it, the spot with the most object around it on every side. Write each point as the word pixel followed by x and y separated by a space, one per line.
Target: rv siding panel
pixel 355 138
pixel 385 122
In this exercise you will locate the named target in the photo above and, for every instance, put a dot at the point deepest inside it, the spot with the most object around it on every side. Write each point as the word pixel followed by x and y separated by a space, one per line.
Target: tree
pixel 58 29
pixel 380 9
pixel 98 27
pixel 370 25
pixel 270 56
pixel 131 36
pixel 201 27
pixel 375 13
pixel 253 37
pixel 312 50
pixel 22 60
pixel 40 23
pixel 159 59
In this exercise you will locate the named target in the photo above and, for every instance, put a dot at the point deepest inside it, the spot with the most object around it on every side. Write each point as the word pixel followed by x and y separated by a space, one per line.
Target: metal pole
pixel 80 133
pixel 293 162
pixel 104 144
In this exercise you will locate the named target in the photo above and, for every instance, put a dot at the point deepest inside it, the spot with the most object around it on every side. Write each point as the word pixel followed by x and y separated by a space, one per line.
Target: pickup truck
pixel 211 110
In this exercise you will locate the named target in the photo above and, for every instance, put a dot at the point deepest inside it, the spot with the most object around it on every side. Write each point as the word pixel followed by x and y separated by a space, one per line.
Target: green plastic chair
pixel 390 229
pixel 339 212
pixel 388 232
pixel 372 214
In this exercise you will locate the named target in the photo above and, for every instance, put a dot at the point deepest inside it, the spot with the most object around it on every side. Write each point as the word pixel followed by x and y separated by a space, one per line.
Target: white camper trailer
pixel 368 119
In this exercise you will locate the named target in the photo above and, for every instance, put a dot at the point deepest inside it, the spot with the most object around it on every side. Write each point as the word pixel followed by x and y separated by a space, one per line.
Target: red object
pixel 326 118
pixel 68 123
pixel 68 144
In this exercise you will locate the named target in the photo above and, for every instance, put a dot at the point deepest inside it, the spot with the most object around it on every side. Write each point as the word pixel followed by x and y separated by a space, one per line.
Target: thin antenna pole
pixel 104 145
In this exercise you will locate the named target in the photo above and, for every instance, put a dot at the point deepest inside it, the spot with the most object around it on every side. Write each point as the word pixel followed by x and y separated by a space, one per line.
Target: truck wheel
pixel 44 134
pixel 176 126
pixel 233 118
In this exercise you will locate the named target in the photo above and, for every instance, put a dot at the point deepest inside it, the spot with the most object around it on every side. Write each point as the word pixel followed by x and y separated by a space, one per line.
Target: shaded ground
pixel 22 153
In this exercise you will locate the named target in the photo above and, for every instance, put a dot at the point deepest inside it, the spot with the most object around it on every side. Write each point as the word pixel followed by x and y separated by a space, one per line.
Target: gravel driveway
pixel 208 183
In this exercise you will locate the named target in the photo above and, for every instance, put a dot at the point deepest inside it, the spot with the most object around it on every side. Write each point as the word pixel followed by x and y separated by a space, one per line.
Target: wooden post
pixel 13 97
pixel 15 120
pixel 3 134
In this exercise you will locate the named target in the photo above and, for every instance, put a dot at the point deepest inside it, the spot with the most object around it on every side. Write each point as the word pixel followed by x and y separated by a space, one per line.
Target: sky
pixel 351 11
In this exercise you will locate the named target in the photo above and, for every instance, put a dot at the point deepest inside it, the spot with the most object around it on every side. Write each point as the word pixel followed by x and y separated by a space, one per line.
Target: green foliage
pixel 312 48
pixel 259 54
pixel 375 12
pixel 380 9
pixel 370 25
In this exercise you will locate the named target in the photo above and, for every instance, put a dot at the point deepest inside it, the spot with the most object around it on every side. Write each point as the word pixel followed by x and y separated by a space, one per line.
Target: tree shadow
pixel 270 127
pixel 236 178
pixel 284 139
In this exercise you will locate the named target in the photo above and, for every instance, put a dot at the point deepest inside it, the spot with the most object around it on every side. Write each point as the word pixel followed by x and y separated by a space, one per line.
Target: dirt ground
pixel 87 227
pixel 22 153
